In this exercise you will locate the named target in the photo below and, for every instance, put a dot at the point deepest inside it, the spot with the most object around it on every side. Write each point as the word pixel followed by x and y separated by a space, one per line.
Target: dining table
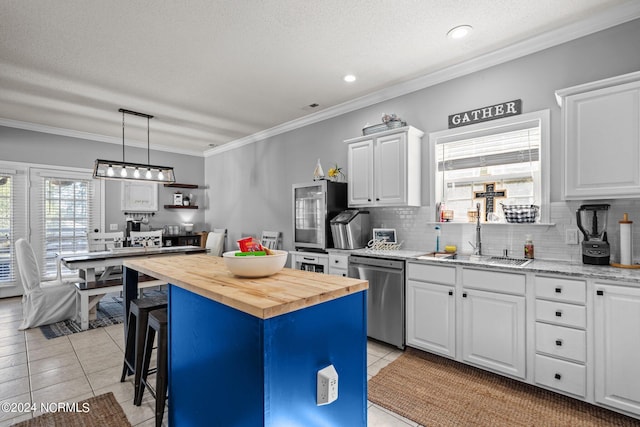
pixel 99 273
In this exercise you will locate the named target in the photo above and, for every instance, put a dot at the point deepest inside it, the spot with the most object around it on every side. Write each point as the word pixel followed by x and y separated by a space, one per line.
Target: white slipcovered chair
pixel 43 303
pixel 215 241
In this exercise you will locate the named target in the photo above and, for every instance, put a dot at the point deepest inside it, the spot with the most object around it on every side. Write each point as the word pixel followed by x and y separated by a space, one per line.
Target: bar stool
pixel 157 325
pixel 134 341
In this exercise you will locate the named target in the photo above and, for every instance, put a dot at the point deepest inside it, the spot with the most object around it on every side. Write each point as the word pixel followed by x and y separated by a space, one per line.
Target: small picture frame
pixel 177 199
pixel 387 235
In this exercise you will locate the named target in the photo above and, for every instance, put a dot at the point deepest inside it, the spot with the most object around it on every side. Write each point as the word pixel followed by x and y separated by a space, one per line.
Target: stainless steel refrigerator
pixel 314 205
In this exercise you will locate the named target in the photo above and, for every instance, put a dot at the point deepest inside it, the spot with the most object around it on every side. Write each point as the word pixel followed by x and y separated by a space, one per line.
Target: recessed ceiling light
pixel 349 78
pixel 459 32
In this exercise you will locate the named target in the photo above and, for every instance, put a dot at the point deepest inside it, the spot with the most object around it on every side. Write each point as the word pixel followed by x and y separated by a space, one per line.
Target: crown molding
pixel 615 16
pixel 35 127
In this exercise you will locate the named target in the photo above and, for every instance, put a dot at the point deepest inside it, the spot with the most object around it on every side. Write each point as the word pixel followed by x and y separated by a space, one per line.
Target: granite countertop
pixel 565 268
pixel 540 266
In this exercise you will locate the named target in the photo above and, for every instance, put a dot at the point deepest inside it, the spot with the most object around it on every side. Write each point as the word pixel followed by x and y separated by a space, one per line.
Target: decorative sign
pixel 489 195
pixel 484 114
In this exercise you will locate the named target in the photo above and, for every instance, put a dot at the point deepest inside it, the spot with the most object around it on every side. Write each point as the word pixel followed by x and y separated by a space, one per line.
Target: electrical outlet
pixel 113 227
pixel 571 236
pixel 327 388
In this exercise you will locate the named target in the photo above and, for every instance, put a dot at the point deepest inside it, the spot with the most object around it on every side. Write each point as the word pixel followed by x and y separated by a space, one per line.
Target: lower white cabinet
pixel 338 264
pixel 431 317
pixel 617 346
pixel 493 331
pixel 310 261
pixel 560 334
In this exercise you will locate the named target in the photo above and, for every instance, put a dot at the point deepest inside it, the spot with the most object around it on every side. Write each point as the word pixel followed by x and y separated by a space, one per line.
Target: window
pixel 503 161
pixel 7 266
pixel 12 225
pixel 67 208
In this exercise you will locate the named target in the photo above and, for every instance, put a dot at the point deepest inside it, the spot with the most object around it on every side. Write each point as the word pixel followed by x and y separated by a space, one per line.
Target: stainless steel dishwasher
pixel 385 300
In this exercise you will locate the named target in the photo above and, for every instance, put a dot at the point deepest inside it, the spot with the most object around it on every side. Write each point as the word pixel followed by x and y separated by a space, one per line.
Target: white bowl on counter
pixel 255 266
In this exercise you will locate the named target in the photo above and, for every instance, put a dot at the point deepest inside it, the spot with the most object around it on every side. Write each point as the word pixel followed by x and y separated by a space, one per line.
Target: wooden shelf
pixel 177 185
pixel 180 207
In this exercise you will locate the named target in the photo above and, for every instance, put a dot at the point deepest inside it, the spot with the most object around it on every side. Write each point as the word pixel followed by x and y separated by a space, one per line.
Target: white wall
pixel 45 149
pixel 250 187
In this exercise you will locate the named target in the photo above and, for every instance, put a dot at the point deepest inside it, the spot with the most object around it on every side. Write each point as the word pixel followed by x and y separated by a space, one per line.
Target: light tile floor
pixel 75 367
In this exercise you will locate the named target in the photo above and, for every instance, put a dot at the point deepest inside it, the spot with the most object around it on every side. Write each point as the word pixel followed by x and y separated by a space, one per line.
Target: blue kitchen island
pixel 246 352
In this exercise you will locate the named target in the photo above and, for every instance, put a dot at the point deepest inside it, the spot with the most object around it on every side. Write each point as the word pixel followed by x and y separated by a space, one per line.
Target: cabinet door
pixel 494 331
pixel 391 169
pixel 617 346
pixel 602 137
pixel 431 317
pixel 360 170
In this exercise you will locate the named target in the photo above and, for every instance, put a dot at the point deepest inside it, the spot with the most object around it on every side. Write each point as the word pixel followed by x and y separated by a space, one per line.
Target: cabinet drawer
pixel 311 259
pixel 338 261
pixel 561 375
pixel 432 273
pixel 508 283
pixel 560 341
pixel 561 313
pixel 561 289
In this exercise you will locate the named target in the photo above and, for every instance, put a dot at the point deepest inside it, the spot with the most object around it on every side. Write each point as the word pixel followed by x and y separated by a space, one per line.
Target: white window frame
pixel 541 118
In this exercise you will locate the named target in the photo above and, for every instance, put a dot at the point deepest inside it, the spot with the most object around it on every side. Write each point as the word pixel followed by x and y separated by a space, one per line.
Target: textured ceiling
pixel 215 71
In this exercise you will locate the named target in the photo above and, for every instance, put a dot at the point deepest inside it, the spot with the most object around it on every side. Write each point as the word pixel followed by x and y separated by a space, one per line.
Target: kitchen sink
pixel 500 260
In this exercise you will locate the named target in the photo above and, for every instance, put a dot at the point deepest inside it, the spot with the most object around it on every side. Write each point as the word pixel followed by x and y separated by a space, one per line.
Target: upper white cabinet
pixel 601 136
pixel 384 168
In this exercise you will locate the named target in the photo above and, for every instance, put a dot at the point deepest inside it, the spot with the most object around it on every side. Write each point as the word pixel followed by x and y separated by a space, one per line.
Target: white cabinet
pixel 493 320
pixel 561 336
pixel 601 136
pixel 310 261
pixel 493 331
pixel 430 308
pixel 338 264
pixel 617 346
pixel 384 168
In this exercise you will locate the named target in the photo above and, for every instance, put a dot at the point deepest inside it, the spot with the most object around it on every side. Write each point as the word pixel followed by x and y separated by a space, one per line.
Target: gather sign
pixel 492 112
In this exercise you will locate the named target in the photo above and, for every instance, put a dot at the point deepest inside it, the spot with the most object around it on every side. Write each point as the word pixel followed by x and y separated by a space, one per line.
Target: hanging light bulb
pixel 123 172
pixel 148 174
pixel 160 175
pixel 110 171
pixel 136 173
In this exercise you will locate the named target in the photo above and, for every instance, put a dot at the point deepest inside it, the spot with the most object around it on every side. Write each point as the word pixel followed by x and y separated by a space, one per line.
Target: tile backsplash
pixel 415 227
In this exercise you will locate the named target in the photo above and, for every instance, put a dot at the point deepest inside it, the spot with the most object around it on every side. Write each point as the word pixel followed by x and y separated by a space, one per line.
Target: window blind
pixel 12 222
pixel 67 208
pixel 520 146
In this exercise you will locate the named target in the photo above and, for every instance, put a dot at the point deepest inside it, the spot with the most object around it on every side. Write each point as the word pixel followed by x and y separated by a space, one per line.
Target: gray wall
pixel 250 187
pixel 45 149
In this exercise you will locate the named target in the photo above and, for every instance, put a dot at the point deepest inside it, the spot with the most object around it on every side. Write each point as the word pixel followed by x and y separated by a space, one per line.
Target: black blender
pixel 592 221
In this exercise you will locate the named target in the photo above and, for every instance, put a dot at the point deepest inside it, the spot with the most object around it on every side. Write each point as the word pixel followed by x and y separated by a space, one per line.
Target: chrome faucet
pixel 477 248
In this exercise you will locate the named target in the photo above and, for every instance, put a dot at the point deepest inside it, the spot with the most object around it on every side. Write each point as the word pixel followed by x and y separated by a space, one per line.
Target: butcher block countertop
pixel 266 297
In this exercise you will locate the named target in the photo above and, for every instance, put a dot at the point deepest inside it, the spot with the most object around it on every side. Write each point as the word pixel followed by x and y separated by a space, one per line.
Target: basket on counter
pixel 392 124
pixel 521 213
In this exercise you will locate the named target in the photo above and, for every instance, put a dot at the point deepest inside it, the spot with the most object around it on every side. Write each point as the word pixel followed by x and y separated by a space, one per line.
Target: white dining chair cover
pixel 43 303
pixel 215 243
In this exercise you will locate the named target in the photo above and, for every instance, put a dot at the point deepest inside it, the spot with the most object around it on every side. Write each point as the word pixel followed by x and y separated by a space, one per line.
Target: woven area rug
pixel 109 312
pixel 435 391
pixel 99 411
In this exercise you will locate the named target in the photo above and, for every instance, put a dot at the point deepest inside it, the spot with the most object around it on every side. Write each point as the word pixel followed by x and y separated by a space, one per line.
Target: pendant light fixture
pixel 121 170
